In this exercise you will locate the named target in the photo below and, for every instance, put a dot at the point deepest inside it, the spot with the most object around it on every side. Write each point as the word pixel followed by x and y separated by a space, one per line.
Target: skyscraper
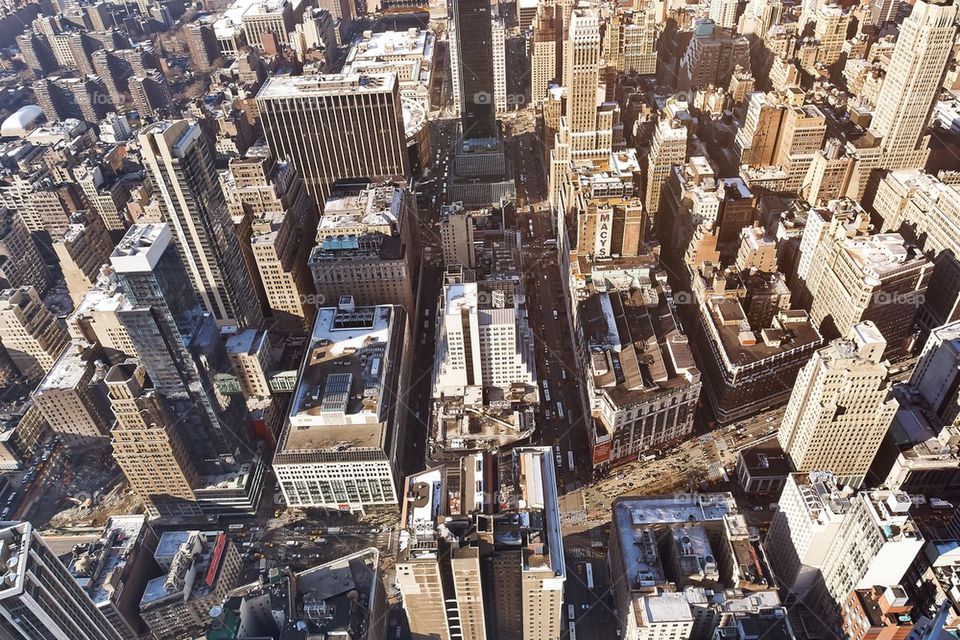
pixel 545 50
pixel 146 445
pixel 669 147
pixel 724 13
pixel 472 64
pixel 474 568
pixel 283 220
pixel 336 126
pixel 41 599
pixel 841 407
pixel 20 263
pixel 32 336
pixel 180 162
pixel 914 76
pixel 485 340
pixel 581 58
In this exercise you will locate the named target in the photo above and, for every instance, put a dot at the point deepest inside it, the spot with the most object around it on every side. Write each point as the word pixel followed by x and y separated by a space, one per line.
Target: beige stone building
pixel 249 352
pixel 32 336
pixel 366 246
pixel 146 446
pixel 82 249
pixel 841 407
pixel 68 399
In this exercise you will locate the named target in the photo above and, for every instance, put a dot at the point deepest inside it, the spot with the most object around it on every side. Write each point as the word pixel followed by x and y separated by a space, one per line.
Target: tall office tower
pixel 912 83
pixel 82 250
pixel 484 341
pixel 928 209
pixel 711 57
pixel 545 51
pixel 458 574
pixel 855 277
pixel 472 66
pixel 883 11
pixel 581 58
pixel 366 245
pixel 499 48
pixel 32 336
pixel 808 13
pixel 146 445
pixel 759 16
pixel 202 44
pixel 180 163
pixel 830 32
pixel 936 377
pixel 669 147
pixel 812 506
pixel 630 43
pixel 283 220
pixel 150 93
pixel 340 446
pixel 456 235
pixel 841 407
pixel 724 13
pixel 876 544
pixel 69 399
pixel 333 127
pixel 163 309
pixel 36 53
pixel 20 263
pixel 42 599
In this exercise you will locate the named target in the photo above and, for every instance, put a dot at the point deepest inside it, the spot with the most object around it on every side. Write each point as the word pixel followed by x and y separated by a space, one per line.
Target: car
pixel 585 606
pixel 758 508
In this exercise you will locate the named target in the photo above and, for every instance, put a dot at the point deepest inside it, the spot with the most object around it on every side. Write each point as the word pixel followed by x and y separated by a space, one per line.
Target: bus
pixel 573 631
pixel 570 460
pixel 560 410
pixel 235 527
pixel 571 611
pixel 546 391
pixel 589 575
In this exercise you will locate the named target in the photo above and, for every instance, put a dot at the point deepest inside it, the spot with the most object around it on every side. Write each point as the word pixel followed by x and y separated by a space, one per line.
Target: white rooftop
pixel 327 84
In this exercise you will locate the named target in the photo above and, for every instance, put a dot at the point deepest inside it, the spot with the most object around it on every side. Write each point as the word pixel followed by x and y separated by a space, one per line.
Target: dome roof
pixel 21 121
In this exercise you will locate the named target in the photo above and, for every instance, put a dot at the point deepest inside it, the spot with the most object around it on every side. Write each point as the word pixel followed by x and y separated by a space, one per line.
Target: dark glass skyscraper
pixel 473 44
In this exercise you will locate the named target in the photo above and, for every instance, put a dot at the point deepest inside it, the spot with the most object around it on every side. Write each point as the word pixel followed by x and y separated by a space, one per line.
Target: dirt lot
pixel 81 490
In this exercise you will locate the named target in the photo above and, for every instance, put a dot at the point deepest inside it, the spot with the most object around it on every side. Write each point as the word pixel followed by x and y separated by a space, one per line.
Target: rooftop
pixel 68 370
pixel 635 517
pixel 191 561
pixel 635 343
pixel 339 398
pixel 326 84
pixel 882 255
pixel 98 567
pixel 141 248
pixel 665 608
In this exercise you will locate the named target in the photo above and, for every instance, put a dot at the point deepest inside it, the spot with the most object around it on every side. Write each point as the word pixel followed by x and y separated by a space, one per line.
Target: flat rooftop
pixel 98 565
pixel 326 84
pixel 339 398
pixel 881 255
pixel 68 370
